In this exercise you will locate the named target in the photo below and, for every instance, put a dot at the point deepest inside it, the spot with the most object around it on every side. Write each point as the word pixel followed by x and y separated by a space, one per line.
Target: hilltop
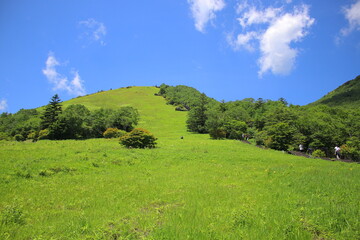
pixel 347 95
pixel 155 115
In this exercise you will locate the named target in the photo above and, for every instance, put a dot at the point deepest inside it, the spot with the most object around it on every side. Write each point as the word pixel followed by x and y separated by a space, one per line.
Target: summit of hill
pixel 155 114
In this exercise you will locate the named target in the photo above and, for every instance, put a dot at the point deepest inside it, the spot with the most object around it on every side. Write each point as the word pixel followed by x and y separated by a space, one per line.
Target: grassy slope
pixel 194 188
pixel 156 116
pixel 347 95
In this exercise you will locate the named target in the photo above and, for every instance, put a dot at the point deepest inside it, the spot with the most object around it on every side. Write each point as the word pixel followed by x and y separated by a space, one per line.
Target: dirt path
pixel 301 154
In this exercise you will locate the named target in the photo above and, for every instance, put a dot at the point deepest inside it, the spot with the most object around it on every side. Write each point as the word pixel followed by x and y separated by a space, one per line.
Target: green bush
pixel 44 134
pixel 318 153
pixel 33 135
pixel 4 136
pixel 113 133
pixel 350 152
pixel 260 138
pixel 19 138
pixel 138 138
pixel 235 129
pixel 218 133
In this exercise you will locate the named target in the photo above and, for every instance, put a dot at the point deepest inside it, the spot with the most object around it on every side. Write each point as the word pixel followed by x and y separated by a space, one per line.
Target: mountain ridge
pixel 346 95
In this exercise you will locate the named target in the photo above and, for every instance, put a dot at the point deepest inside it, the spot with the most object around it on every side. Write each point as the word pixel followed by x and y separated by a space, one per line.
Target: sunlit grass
pixel 193 188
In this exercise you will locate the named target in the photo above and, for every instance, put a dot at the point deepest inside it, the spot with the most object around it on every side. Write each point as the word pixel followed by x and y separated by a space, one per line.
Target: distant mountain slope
pixel 347 95
pixel 155 115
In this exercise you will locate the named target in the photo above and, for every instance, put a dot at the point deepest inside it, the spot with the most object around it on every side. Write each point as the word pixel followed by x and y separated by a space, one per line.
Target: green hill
pixel 155 115
pixel 347 95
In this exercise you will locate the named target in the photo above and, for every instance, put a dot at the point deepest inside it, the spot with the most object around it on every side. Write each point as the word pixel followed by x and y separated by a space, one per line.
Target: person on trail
pixel 309 151
pixel 301 148
pixel 337 152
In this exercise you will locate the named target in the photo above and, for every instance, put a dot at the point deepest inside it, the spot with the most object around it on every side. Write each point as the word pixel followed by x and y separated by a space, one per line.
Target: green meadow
pixel 191 188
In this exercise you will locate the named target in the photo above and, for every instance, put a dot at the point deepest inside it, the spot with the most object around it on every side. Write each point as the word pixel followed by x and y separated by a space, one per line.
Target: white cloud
pixel 352 15
pixel 94 31
pixel 77 85
pixel 275 31
pixel 246 41
pixel 3 105
pixel 60 82
pixel 254 16
pixel 203 11
pixel 277 55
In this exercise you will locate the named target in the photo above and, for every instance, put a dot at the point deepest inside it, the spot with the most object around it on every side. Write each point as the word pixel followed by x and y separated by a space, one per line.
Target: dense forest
pixel 272 124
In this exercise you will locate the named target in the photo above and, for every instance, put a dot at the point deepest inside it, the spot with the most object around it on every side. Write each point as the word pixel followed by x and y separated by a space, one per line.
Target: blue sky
pixel 229 49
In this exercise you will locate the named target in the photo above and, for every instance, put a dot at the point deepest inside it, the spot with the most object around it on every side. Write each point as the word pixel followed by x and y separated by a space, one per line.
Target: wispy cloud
pixel 352 15
pixel 275 31
pixel 3 105
pixel 61 82
pixel 93 31
pixel 203 11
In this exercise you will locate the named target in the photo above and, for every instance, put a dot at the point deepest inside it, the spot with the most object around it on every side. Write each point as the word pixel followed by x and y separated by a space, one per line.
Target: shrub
pixel 113 133
pixel 218 133
pixel 19 138
pixel 235 129
pixel 138 138
pixel 4 136
pixel 319 153
pixel 44 134
pixel 33 135
pixel 261 137
pixel 350 152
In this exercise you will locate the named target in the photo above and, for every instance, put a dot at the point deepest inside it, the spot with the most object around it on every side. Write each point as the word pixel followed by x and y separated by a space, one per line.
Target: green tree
pixel 51 113
pixel 197 116
pixel 73 123
pixel 124 118
pixel 280 136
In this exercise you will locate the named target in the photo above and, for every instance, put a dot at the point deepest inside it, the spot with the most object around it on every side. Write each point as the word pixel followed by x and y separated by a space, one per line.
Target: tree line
pixel 272 124
pixel 74 122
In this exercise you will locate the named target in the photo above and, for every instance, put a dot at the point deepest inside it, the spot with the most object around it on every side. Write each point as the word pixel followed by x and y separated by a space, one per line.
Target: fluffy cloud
pixel 274 33
pixel 277 55
pixel 94 31
pixel 246 41
pixel 254 16
pixel 60 82
pixel 352 15
pixel 203 11
pixel 3 105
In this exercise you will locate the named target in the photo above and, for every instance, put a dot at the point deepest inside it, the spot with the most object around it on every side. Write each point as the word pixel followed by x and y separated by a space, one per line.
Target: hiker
pixel 301 148
pixel 310 151
pixel 337 152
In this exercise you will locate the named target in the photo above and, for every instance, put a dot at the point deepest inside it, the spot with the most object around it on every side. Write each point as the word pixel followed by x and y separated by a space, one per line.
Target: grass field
pixel 191 188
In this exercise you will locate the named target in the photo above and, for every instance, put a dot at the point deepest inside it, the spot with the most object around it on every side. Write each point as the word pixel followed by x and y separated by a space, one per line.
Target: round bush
pixel 138 138
pixel 113 133
pixel 318 153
